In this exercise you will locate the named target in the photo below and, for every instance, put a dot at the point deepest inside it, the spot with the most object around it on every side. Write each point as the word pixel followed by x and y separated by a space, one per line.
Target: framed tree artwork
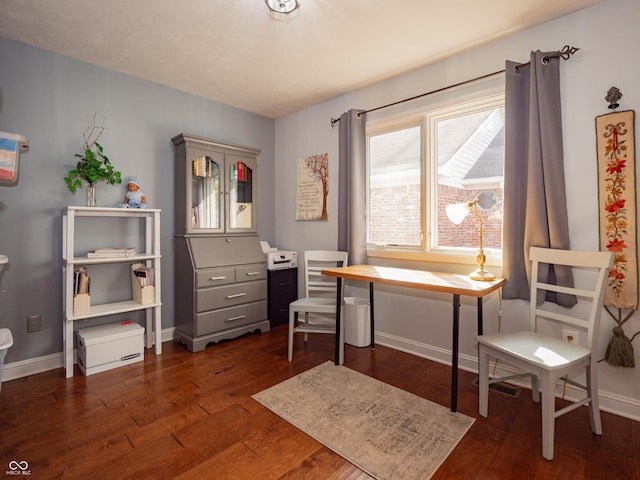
pixel 312 187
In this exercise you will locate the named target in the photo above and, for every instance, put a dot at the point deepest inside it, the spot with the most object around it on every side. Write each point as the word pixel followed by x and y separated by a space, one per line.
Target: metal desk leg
pixel 373 331
pixel 338 359
pixel 454 352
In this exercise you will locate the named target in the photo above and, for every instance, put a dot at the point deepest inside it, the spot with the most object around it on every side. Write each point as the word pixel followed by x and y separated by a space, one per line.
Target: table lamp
pixel 457 213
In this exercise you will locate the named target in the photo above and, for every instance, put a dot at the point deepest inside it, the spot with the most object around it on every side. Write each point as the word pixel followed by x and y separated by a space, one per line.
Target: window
pixel 452 153
pixel 394 187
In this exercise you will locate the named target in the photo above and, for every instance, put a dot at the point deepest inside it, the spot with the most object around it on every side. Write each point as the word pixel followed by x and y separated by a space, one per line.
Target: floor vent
pixel 503 388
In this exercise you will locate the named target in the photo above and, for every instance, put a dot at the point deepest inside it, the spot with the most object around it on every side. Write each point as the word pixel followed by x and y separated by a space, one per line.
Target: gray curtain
pixel 352 193
pixel 535 207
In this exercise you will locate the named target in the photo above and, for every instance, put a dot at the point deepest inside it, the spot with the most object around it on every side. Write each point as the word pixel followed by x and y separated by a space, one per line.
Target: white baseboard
pixel 31 366
pixel 609 402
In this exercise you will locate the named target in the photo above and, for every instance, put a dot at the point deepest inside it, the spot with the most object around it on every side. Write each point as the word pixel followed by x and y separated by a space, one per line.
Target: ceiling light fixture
pixel 282 6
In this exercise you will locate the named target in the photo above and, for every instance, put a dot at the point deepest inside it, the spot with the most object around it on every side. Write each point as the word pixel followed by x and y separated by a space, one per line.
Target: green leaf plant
pixel 93 165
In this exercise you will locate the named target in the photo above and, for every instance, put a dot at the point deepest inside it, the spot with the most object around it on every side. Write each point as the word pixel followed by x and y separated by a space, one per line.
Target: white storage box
pixel 357 322
pixel 109 346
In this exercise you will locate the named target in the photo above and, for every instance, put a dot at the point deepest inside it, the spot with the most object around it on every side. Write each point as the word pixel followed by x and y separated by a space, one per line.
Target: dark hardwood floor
pixel 191 416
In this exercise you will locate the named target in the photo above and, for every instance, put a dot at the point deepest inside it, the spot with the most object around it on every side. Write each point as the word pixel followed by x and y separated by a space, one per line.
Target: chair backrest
pixel 586 314
pixel 316 284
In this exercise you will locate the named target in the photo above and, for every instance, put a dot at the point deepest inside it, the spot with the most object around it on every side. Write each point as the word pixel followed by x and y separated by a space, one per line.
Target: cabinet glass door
pixel 241 192
pixel 205 193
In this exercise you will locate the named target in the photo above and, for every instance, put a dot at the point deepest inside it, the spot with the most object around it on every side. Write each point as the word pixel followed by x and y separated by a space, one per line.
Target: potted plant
pixel 93 166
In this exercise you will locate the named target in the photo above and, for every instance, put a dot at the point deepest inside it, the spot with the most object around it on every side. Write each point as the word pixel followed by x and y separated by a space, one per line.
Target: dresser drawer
pixel 246 273
pixel 226 318
pixel 230 295
pixel 212 277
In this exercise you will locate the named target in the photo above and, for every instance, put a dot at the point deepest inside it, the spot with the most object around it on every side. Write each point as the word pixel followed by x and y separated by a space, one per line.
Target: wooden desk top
pixel 424 280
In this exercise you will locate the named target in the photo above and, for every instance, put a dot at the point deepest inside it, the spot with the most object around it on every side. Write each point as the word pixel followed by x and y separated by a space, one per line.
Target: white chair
pixel 320 296
pixel 547 358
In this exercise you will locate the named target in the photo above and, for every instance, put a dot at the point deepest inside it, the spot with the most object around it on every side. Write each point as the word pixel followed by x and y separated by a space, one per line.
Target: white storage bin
pixel 109 346
pixel 357 324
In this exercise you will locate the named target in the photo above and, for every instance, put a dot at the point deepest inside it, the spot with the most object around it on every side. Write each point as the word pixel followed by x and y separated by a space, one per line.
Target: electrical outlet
pixel 34 323
pixel 570 336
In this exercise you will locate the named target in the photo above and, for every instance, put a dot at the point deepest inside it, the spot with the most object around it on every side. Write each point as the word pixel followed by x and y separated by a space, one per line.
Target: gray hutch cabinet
pixel 221 273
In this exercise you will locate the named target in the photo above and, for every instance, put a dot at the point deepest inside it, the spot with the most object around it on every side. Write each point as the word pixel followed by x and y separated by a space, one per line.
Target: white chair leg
pixel 594 404
pixel 292 322
pixel 306 322
pixel 548 415
pixel 483 380
pixel 535 388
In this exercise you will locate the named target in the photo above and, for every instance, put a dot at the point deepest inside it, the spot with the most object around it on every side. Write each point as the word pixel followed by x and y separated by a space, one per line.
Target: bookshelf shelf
pixel 108 260
pixel 113 308
pixel 151 258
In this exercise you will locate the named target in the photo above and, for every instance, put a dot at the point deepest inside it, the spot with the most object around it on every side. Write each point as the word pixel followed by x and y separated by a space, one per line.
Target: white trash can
pixel 357 324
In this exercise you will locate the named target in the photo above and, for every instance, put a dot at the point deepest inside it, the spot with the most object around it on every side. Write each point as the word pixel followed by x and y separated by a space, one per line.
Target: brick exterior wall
pixel 467 234
pixel 395 216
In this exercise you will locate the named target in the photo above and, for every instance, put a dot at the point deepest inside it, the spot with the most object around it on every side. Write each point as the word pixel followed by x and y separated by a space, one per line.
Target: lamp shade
pixel 457 212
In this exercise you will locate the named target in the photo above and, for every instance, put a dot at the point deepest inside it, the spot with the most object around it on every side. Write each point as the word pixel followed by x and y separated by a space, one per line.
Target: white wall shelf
pixel 150 257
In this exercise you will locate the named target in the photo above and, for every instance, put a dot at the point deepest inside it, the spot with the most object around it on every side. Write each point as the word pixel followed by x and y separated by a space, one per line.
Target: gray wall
pixel 51 99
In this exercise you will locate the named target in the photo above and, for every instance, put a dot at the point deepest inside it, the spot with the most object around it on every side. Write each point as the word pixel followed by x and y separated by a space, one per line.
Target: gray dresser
pixel 221 289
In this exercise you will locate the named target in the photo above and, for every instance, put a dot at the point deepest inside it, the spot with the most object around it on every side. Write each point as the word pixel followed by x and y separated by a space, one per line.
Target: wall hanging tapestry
pixel 313 187
pixel 617 205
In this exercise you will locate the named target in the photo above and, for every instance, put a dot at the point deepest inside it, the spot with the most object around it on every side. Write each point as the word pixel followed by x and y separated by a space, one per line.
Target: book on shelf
pixel 111 252
pixel 144 275
pixel 81 282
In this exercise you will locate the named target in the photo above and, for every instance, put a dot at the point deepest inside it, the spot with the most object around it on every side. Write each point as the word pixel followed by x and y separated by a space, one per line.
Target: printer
pixel 279 259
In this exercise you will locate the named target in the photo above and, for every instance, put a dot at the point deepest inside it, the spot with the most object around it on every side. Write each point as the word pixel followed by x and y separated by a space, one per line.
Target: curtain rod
pixel 565 54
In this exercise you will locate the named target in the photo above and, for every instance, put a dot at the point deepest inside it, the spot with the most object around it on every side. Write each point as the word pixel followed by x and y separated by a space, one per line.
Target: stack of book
pixel 111 252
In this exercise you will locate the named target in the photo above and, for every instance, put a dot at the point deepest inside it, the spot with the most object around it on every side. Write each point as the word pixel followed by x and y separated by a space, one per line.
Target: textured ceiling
pixel 235 52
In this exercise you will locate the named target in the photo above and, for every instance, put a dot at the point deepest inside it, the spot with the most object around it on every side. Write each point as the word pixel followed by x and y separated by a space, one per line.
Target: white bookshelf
pixel 71 258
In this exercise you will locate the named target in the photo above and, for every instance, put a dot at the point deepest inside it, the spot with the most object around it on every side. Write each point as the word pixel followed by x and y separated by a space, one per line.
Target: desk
pixel 432 281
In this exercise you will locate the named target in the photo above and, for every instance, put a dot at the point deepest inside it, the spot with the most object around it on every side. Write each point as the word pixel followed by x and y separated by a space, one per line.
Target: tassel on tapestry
pixel 617 200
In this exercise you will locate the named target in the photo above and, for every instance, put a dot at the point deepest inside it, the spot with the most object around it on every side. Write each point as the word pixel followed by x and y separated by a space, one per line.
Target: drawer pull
pixel 250 274
pixel 218 278
pixel 236 295
pixel 235 319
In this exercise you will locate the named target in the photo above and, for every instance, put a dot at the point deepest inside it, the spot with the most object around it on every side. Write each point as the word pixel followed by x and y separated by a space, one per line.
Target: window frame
pixel 426 115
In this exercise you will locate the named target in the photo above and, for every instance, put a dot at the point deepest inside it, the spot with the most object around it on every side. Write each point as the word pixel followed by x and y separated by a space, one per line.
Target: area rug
pixel 387 432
